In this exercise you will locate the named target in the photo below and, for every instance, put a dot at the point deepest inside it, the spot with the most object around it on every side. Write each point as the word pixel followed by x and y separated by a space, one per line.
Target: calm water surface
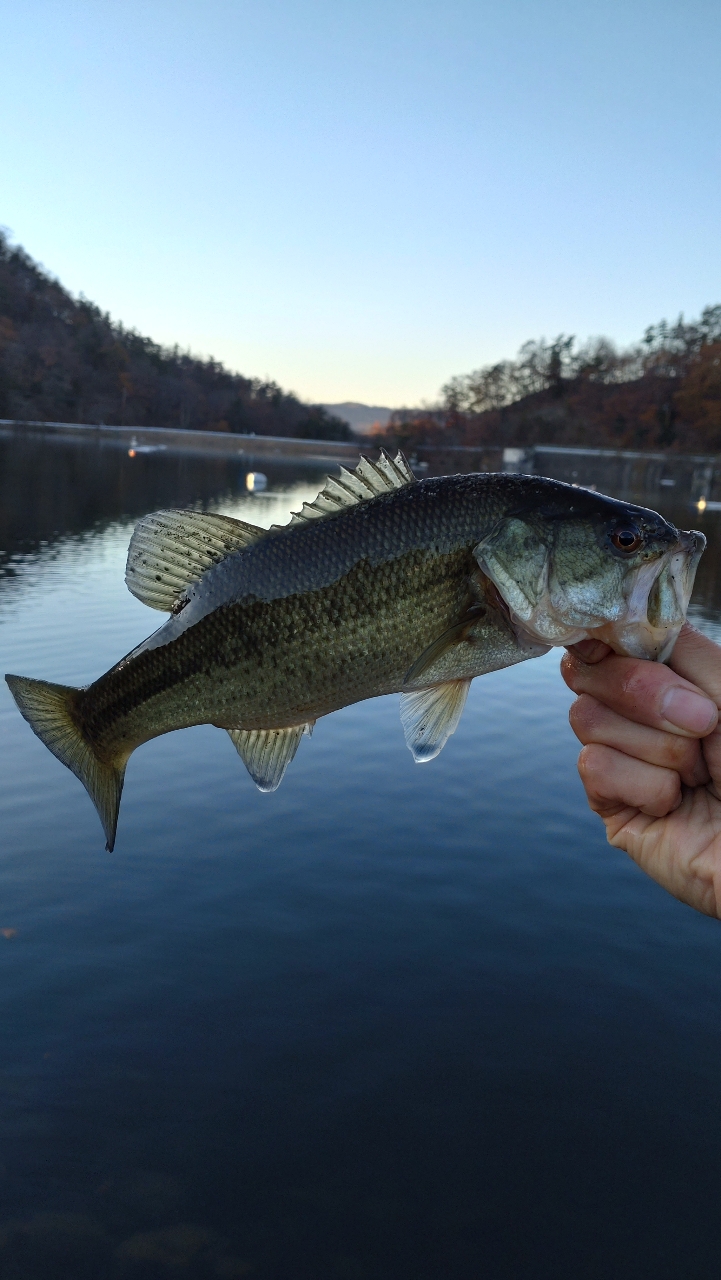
pixel 388 1023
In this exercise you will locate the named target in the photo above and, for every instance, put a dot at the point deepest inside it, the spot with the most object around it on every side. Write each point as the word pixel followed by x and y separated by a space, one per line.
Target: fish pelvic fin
pixel 266 753
pixel 430 716
pixel 50 711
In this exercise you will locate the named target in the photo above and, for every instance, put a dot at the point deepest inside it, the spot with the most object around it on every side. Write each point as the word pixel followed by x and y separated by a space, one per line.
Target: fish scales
pixel 440 514
pixel 383 584
pixel 407 552
pixel 271 664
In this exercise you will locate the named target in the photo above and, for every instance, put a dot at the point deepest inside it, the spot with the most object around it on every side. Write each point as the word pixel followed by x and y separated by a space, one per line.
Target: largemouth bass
pixel 384 584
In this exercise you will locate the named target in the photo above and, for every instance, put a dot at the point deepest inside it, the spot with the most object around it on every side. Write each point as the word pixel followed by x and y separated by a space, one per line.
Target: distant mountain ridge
pixel 64 360
pixel 361 417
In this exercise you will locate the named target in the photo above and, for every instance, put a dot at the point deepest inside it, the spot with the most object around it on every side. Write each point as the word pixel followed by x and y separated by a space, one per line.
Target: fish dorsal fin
pixel 430 716
pixel 367 481
pixel 266 753
pixel 170 550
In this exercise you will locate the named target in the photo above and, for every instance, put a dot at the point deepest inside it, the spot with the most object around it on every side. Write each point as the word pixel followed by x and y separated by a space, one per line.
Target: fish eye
pixel 626 538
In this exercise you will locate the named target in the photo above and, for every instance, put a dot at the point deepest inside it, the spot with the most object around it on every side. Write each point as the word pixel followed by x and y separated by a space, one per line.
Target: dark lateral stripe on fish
pixel 423 587
pixel 250 633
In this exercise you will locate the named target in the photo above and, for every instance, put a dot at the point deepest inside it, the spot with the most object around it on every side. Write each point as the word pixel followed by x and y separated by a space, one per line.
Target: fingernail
pixel 689 710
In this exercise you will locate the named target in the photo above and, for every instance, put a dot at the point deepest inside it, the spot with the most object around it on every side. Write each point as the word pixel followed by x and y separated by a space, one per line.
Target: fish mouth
pixel 657 603
pixel 648 619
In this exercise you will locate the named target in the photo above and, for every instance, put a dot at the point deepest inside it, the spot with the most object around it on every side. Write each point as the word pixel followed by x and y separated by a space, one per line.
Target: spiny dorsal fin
pixel 367 481
pixel 430 716
pixel 170 550
pixel 266 753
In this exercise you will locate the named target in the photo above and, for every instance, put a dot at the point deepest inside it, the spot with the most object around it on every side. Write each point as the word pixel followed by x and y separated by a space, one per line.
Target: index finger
pixel 646 692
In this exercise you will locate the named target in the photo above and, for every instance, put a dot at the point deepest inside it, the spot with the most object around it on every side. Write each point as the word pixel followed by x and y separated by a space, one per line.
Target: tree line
pixel 64 360
pixel 662 393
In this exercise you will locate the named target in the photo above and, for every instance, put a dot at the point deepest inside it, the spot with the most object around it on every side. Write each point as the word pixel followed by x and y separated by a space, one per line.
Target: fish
pixel 383 584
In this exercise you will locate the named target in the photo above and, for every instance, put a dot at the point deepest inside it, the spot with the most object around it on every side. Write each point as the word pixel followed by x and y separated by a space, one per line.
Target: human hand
pixel 651 760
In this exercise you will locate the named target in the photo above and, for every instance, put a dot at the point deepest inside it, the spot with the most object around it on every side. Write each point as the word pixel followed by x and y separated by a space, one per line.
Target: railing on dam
pixel 692 476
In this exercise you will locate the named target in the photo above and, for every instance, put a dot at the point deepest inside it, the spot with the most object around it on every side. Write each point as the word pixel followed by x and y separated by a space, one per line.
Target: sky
pixel 360 200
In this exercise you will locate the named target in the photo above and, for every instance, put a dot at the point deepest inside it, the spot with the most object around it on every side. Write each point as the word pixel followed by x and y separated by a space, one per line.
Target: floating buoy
pixel 256 481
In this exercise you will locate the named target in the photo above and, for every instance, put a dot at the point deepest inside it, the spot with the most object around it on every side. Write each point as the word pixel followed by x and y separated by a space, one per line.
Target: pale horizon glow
pixel 360 201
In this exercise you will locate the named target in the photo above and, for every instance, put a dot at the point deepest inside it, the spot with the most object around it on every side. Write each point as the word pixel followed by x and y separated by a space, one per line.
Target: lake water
pixel 388 1023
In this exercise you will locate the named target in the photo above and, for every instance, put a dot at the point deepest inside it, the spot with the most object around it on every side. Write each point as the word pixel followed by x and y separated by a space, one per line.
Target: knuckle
pixel 669 787
pixel 681 753
pixel 635 685
pixel 585 714
pixel 664 797
pixel 589 766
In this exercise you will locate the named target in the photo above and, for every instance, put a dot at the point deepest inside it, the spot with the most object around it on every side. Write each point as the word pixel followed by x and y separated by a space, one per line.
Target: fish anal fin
pixel 170 550
pixel 367 481
pixel 430 716
pixel 266 753
pixel 48 709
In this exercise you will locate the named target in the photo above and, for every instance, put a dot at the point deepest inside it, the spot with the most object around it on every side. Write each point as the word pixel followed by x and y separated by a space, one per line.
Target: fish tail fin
pixel 49 710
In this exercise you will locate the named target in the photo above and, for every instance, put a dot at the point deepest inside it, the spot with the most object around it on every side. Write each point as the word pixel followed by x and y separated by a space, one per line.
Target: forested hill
pixel 664 393
pixel 64 360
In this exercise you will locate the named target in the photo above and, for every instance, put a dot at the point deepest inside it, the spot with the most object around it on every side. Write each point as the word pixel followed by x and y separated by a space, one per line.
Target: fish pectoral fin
pixel 430 716
pixel 456 634
pixel 266 753
pixel 170 550
pixel 367 481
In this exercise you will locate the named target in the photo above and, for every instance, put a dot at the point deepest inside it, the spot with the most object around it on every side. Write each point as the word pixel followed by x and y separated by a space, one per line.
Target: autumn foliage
pixel 663 394
pixel 64 360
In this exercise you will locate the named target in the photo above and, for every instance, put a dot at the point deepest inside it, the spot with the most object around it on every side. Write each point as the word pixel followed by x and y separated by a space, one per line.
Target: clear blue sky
pixel 362 199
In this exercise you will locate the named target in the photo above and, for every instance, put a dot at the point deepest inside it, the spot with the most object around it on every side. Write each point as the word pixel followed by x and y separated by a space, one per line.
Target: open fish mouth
pixel 642 620
pixel 657 603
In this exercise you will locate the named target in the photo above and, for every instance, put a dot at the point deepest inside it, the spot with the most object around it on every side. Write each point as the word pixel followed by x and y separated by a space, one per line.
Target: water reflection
pixel 52 487
pixel 390 1023
pixel 54 491
pixel 62 500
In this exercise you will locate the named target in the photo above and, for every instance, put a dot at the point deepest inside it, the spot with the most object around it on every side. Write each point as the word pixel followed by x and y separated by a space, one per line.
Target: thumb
pixel 698 659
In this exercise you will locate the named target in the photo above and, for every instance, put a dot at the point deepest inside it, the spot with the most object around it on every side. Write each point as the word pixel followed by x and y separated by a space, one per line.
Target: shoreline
pixel 704 470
